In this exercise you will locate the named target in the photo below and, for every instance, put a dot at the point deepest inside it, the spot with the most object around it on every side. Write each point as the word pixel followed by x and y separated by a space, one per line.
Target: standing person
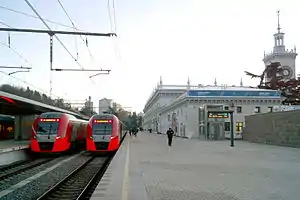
pixel 130 132
pixel 170 134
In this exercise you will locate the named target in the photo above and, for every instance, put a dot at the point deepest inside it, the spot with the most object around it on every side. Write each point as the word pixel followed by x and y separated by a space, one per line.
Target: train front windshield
pixel 102 127
pixel 47 127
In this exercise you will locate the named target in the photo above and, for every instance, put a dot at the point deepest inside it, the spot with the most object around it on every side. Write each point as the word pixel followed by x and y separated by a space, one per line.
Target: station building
pixel 180 107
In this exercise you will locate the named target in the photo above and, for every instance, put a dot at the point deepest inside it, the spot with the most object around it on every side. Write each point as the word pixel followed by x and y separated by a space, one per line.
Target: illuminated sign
pixel 218 115
pixel 49 120
pixel 102 121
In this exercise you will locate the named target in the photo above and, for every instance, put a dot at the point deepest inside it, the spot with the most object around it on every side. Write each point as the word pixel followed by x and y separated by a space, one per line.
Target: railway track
pixel 10 171
pixel 79 184
pixel 13 165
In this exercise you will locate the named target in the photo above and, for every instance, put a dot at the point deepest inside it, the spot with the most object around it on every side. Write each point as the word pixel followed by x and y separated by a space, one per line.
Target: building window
pixel 169 117
pixel 239 126
pixel 257 109
pixel 239 109
pixel 270 109
pixel 227 126
pixel 226 108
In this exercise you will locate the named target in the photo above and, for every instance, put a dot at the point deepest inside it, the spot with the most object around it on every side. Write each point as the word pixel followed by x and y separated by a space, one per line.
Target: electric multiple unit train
pixel 104 133
pixel 57 132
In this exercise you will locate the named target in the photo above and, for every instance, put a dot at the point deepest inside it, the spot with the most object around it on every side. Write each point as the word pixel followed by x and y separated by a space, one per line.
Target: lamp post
pixel 232 127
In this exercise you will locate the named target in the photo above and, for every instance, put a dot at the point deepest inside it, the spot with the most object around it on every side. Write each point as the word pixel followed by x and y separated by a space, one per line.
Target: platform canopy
pixel 11 104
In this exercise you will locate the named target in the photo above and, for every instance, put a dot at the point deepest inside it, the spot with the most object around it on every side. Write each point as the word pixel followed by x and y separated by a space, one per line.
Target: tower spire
pixel 215 82
pixel 278 21
pixel 160 81
pixel 241 83
pixel 188 83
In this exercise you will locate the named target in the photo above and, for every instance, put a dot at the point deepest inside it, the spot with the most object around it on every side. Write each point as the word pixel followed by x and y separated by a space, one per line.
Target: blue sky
pixel 169 38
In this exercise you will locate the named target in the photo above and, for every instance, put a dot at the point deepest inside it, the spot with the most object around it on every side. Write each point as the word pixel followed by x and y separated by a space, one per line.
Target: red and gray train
pixel 57 132
pixel 104 133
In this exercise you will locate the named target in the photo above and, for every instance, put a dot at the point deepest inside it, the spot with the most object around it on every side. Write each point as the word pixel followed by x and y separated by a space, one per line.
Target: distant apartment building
pixel 104 105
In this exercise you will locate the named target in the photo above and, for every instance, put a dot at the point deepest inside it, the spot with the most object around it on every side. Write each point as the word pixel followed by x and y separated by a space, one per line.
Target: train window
pixel 102 128
pixel 47 127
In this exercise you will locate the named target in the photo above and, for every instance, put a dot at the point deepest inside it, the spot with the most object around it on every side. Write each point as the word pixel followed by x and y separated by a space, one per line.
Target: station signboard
pixel 216 115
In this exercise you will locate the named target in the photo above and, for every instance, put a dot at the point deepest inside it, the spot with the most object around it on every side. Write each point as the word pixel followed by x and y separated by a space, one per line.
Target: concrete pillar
pixel 23 124
pixel 18 128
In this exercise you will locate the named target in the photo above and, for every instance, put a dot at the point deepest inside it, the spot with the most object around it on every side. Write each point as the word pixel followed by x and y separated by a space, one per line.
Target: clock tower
pixel 287 58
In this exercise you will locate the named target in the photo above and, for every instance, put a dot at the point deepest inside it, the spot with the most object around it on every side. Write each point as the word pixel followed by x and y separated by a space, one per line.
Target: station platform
pixel 145 168
pixel 13 145
pixel 12 151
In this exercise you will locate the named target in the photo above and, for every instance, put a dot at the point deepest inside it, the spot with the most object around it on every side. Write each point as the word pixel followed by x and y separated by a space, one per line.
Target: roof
pixel 236 88
pixel 216 91
pixel 35 105
pixel 227 91
pixel 233 92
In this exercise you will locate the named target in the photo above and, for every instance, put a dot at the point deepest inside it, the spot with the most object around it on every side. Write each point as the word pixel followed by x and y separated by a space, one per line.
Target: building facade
pixel 89 103
pixel 104 105
pixel 170 107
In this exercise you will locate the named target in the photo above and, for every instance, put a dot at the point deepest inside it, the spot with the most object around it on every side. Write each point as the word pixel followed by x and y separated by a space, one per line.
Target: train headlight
pixel 57 137
pixel 91 137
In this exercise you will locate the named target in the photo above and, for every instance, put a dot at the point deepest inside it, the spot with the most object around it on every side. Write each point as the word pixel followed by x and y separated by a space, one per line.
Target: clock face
pixel 286 72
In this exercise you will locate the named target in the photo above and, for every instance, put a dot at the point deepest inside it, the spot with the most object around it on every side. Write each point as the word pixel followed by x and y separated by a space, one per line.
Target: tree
pixel 289 88
pixel 132 121
pixel 112 110
pixel 88 108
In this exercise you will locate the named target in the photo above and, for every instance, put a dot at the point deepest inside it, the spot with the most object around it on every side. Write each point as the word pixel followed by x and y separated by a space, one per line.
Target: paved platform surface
pixel 13 145
pixel 145 168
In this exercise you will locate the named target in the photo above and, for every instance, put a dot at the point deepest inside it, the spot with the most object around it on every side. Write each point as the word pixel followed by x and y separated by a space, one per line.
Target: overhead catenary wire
pixel 115 17
pixel 50 21
pixel 28 84
pixel 33 16
pixel 17 53
pixel 5 24
pixel 39 17
pixel 85 41
pixel 109 16
pixel 113 27
pixel 57 38
pixel 27 62
pixel 73 25
pixel 7 33
pixel 53 22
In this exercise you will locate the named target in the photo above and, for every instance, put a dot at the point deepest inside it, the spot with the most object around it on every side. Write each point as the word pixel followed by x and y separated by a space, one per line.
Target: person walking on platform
pixel 135 131
pixel 170 134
